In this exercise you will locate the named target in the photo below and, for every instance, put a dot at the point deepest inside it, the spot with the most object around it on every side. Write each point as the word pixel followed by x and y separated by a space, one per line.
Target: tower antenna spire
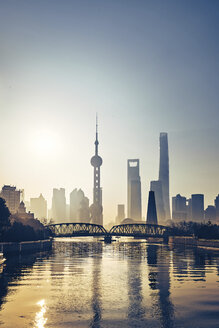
pixel 96 141
pixel 96 127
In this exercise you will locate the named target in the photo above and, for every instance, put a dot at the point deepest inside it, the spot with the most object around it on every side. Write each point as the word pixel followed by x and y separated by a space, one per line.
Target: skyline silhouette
pixel 78 210
pixel 154 69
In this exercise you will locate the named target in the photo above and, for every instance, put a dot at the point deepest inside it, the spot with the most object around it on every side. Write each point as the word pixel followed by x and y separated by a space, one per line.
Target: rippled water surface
pixel 129 283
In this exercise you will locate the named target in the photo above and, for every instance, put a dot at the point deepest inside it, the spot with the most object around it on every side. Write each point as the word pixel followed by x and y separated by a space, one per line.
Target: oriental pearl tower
pixel 96 209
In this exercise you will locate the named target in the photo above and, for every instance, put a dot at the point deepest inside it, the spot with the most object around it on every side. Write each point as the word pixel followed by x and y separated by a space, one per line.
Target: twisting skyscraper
pixel 164 172
pixel 96 209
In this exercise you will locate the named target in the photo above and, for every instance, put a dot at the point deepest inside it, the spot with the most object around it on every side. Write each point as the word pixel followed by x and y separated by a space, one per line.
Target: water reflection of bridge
pixel 88 230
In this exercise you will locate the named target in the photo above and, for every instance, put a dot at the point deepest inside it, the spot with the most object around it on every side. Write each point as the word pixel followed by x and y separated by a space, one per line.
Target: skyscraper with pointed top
pixel 152 211
pixel 96 209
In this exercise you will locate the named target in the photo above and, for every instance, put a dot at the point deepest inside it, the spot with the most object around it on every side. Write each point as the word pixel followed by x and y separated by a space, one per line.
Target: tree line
pixel 198 230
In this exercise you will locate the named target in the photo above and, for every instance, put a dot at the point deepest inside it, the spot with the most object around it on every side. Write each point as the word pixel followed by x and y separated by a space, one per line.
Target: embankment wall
pixel 26 246
pixel 178 240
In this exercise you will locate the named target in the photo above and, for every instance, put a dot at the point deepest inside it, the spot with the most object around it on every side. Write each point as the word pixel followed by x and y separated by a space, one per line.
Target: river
pixel 129 283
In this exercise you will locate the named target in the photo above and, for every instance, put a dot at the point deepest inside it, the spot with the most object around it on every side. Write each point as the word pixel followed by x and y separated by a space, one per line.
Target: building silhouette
pixel 210 213
pixel 96 209
pixel 189 208
pixel 75 199
pixel 134 190
pixel 197 204
pixel 39 207
pixel 179 208
pixel 120 213
pixel 22 212
pixel 59 205
pixel 216 203
pixel 156 187
pixel 79 207
pixel 164 173
pixel 151 212
pixel 12 197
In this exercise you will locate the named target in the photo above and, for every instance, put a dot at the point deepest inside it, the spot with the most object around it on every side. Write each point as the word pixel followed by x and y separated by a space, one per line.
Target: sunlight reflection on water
pixel 40 320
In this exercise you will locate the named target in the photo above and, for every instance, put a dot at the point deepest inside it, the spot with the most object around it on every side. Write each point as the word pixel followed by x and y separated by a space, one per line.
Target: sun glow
pixel 44 143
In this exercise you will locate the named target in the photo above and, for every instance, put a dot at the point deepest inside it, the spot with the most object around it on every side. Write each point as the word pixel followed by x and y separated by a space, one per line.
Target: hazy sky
pixel 144 66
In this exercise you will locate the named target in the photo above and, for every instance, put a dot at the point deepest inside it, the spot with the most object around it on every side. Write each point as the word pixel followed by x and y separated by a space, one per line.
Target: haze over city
pixel 145 69
pixel 109 185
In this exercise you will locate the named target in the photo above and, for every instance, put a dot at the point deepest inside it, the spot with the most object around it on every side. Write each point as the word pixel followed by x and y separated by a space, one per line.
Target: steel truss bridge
pixel 89 229
pixel 138 230
pixel 76 229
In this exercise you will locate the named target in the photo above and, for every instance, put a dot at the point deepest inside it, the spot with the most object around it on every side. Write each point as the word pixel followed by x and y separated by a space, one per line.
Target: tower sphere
pixel 96 161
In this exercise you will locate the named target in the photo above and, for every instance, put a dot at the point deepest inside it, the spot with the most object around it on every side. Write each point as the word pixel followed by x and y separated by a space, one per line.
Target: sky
pixel 144 66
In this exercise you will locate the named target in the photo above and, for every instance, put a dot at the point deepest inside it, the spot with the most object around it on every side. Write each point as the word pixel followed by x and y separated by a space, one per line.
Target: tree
pixel 4 217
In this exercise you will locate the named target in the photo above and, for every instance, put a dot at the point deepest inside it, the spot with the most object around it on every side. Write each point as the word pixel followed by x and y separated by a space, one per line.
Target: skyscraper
pixel 164 172
pixel 96 209
pixel 151 212
pixel 134 190
pixel 59 205
pixel 156 187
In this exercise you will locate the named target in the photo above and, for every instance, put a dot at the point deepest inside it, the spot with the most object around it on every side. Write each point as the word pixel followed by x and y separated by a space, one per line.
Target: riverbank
pixel 191 241
pixel 25 246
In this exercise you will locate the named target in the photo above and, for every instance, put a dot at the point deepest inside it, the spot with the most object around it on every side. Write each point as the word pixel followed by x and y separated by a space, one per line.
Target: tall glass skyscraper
pixel 164 172
pixel 134 190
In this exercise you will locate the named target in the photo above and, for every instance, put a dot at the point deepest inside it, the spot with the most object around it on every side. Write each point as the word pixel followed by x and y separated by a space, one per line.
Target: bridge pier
pixel 108 239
